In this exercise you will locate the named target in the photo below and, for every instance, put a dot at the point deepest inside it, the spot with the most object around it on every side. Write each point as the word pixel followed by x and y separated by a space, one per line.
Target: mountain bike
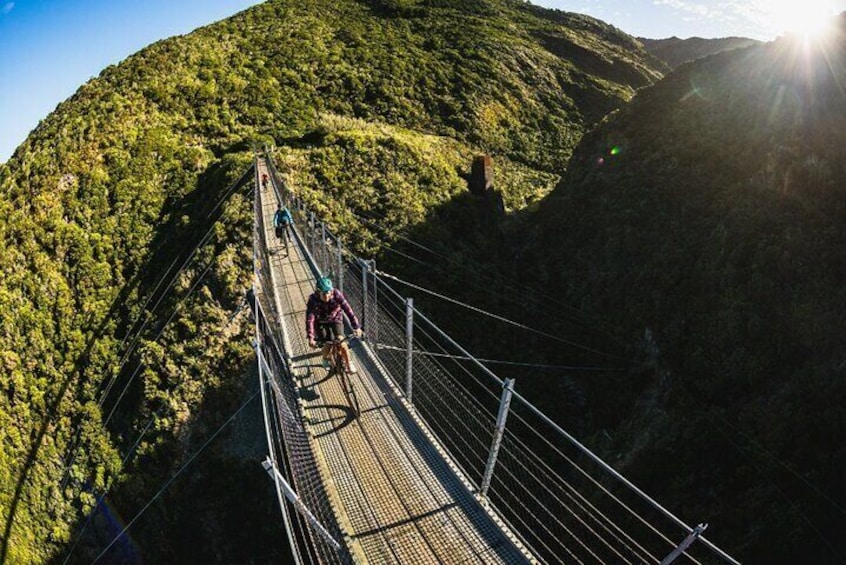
pixel 337 367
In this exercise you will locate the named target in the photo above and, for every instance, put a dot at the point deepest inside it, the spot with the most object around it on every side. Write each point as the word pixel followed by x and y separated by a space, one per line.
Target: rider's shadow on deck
pixel 340 416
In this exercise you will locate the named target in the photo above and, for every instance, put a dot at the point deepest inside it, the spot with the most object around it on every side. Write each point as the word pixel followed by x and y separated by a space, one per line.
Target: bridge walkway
pixel 395 494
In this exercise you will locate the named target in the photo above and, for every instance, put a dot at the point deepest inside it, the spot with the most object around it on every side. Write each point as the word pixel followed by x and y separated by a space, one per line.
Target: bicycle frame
pixel 338 368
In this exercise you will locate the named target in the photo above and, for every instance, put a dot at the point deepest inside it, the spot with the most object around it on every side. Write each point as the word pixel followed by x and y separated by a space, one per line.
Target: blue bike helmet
pixel 324 284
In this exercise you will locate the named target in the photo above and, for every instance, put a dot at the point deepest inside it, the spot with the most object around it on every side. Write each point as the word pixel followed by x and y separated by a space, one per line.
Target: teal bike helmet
pixel 324 284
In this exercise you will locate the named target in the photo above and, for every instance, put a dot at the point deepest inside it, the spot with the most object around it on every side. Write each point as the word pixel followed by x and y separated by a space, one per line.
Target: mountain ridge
pixel 675 51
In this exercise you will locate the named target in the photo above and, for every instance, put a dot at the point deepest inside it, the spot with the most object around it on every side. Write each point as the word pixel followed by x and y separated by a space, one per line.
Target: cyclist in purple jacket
pixel 325 320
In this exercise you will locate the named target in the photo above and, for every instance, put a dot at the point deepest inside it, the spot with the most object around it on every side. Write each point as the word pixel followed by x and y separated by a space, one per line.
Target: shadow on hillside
pixel 202 208
pixel 221 509
pixel 140 283
pixel 203 513
pixel 593 102
pixel 173 243
pixel 590 61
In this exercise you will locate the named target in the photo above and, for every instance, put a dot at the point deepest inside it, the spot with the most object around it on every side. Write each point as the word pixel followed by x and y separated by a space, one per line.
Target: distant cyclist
pixel 325 320
pixel 281 221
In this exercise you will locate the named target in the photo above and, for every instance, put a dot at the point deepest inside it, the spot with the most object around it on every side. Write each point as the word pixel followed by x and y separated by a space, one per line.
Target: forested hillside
pixel 125 257
pixel 716 235
pixel 675 51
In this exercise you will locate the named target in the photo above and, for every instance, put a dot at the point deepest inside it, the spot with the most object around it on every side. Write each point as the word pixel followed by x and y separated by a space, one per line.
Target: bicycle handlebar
pixel 339 339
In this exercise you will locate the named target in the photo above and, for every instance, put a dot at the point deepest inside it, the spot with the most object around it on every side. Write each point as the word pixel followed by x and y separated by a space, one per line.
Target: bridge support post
pixel 311 232
pixel 375 329
pixel 365 319
pixel 697 531
pixel 324 250
pixel 298 504
pixel 368 273
pixel 314 239
pixel 499 430
pixel 340 275
pixel 318 251
pixel 409 338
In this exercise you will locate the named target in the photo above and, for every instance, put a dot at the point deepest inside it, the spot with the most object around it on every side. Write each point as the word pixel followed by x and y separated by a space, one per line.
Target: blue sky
pixel 49 48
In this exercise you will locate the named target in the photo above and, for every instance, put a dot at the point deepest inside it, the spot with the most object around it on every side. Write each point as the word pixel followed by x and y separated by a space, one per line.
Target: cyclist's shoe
pixel 327 364
pixel 352 369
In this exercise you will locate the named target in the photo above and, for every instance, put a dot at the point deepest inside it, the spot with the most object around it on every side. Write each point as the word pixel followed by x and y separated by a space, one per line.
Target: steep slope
pixel 116 366
pixel 675 51
pixel 706 220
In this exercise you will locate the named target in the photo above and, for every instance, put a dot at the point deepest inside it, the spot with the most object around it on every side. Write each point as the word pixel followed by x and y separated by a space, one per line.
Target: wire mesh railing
pixel 561 500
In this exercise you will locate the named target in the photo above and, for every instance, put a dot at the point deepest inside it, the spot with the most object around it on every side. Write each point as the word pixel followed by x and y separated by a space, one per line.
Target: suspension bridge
pixel 446 462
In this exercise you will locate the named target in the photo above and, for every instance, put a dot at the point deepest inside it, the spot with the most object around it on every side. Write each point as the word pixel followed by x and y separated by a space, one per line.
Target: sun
pixel 806 18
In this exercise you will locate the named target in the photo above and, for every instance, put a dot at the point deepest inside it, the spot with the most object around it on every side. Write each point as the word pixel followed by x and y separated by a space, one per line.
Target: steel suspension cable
pixel 378 272
pixel 500 362
pixel 446 337
pixel 203 241
pixel 550 473
pixel 793 506
pixel 276 424
pixel 172 478
pixel 325 257
pixel 446 372
pixel 503 319
pixel 389 248
pixel 618 476
pixel 71 459
pixel 495 277
pixel 143 308
pixel 448 391
pixel 543 524
pixel 603 465
pixel 158 335
pixel 529 453
pixel 106 491
pixel 451 392
pixel 132 450
pixel 257 314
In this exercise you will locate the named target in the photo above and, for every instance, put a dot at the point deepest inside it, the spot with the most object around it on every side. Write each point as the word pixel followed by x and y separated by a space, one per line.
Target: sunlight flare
pixel 809 18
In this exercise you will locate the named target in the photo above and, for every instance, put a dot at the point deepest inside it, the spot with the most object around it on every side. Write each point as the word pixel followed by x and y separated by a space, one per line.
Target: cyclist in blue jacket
pixel 281 220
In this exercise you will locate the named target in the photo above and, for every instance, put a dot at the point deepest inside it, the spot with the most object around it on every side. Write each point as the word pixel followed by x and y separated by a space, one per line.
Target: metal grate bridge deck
pixel 395 493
